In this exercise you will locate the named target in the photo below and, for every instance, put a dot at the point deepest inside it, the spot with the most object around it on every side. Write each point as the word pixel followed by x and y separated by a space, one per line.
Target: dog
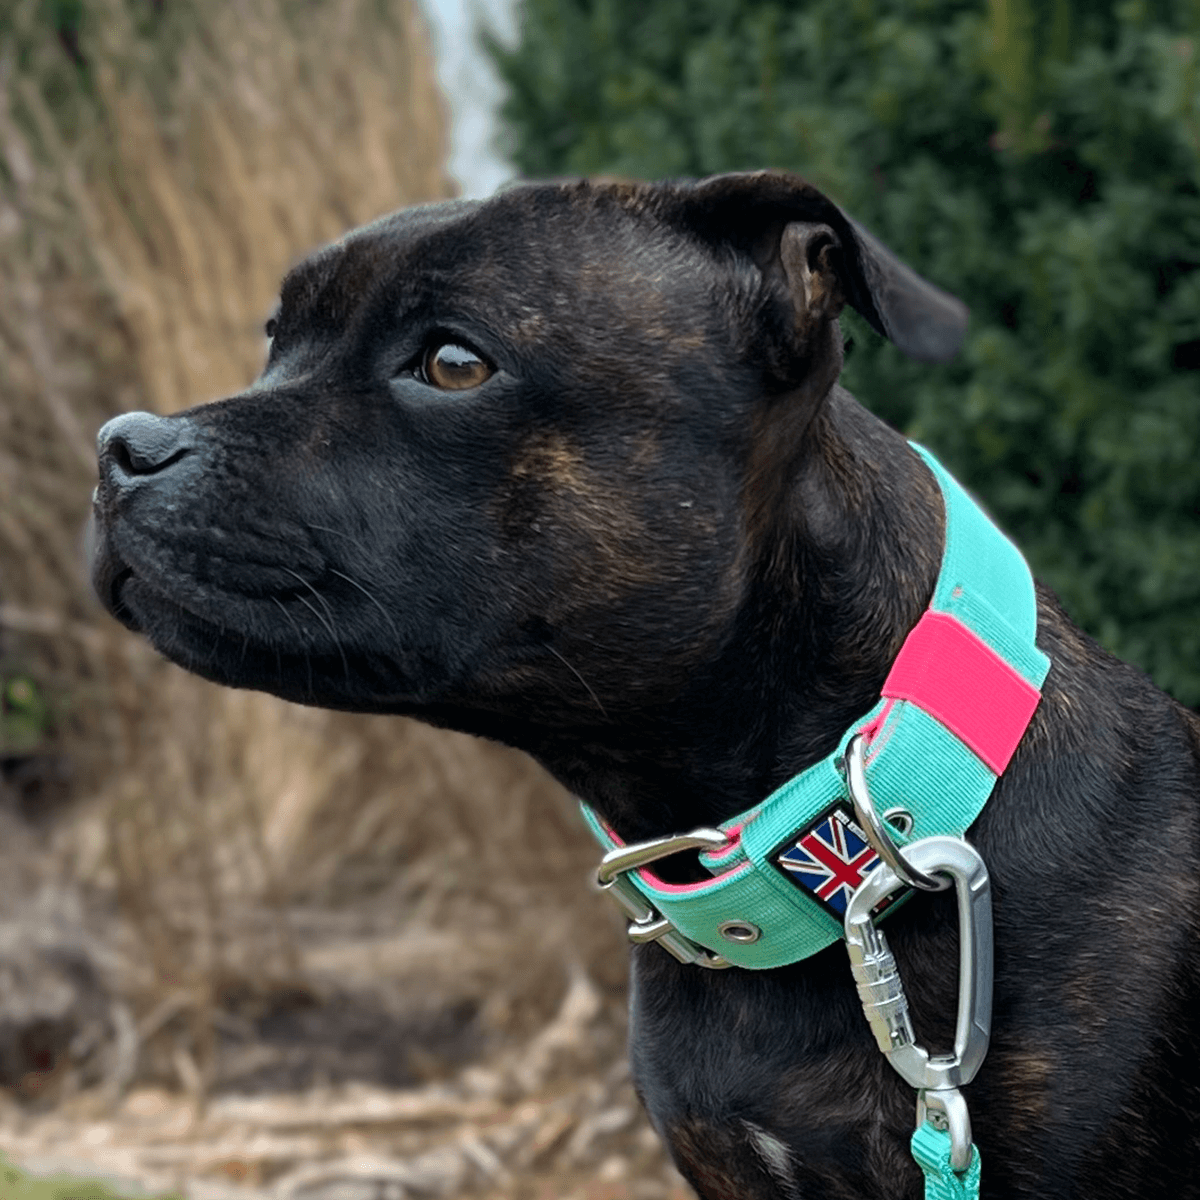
pixel 570 468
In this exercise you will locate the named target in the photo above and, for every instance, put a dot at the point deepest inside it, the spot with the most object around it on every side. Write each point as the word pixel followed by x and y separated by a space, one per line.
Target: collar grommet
pixel 741 932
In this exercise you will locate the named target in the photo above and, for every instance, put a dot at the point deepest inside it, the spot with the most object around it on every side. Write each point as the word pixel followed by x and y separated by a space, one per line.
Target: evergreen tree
pixel 1041 160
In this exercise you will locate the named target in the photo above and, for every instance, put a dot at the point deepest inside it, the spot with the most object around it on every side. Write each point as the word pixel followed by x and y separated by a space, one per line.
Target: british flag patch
pixel 829 859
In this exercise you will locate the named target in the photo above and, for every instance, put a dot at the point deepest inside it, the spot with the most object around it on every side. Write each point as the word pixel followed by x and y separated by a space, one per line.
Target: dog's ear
pixel 826 258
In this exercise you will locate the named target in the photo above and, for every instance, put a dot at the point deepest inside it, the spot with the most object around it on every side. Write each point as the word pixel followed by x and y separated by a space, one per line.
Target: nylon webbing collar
pixel 954 707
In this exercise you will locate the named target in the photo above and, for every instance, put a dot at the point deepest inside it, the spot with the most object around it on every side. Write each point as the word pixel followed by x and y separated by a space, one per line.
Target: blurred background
pixel 248 949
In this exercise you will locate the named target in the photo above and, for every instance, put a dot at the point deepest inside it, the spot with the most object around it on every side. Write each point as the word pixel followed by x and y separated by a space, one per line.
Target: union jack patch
pixel 829 859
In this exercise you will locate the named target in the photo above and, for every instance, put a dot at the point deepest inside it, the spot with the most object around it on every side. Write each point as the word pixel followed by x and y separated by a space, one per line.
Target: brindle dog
pixel 570 468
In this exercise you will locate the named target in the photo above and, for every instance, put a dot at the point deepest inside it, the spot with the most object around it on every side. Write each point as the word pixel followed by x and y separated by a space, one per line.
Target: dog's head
pixel 517 459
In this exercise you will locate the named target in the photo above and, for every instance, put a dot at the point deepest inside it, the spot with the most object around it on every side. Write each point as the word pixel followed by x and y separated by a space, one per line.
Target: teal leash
pixel 932 1149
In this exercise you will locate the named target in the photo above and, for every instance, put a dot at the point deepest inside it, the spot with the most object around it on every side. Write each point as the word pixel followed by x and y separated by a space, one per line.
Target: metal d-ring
pixel 874 828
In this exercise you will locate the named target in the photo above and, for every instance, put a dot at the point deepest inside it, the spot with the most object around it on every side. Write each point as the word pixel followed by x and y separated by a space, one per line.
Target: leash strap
pixel 931 1148
pixel 954 707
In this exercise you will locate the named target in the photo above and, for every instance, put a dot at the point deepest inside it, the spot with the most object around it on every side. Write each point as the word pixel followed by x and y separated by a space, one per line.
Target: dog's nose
pixel 139 444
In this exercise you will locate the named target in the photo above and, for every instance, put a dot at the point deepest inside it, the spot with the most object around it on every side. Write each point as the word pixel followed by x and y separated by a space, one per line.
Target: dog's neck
pixel 834 587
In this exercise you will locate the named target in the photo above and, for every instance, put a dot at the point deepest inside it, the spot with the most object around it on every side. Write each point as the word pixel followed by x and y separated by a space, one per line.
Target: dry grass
pixel 148 207
pixel 552 1117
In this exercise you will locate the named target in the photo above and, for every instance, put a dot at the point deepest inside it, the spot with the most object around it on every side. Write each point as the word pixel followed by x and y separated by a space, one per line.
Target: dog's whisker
pixel 327 620
pixel 330 628
pixel 387 616
pixel 577 675
pixel 300 640
pixel 349 537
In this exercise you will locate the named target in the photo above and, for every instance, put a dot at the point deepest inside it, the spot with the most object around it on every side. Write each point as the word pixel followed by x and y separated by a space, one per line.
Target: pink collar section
pixel 956 677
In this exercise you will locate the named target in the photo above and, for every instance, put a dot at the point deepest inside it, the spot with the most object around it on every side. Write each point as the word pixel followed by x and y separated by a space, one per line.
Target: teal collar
pixel 956 703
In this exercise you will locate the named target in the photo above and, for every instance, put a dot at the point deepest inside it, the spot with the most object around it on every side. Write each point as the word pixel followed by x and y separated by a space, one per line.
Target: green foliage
pixel 1039 159
pixel 25 717
pixel 14 1185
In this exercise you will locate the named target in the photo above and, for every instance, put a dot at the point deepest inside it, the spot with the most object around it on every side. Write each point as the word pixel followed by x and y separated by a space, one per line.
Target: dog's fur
pixel 661 550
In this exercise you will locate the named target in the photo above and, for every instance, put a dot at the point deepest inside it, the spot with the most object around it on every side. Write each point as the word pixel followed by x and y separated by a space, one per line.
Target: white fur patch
pixel 774 1155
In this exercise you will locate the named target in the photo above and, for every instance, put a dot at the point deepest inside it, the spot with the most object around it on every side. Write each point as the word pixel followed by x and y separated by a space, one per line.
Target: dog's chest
pixel 771 1087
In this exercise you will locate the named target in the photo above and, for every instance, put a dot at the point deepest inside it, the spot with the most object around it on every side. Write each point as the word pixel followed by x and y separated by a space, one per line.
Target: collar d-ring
pixel 875 830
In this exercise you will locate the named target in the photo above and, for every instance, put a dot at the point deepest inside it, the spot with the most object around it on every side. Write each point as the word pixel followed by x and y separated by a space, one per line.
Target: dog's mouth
pixel 233 640
pixel 169 607
pixel 291 633
pixel 109 572
pixel 226 577
pixel 112 598
pixel 144 603
pixel 137 580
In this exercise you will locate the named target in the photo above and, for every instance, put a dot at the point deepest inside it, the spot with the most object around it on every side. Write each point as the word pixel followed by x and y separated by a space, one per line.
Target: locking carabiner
pixel 937 1078
pixel 887 1011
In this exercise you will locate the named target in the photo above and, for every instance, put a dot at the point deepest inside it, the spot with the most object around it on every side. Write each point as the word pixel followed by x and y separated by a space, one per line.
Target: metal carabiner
pixel 937 1078
pixel 646 923
pixel 879 984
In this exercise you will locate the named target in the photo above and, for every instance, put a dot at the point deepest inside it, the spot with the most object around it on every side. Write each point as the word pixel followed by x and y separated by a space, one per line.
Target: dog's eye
pixel 270 327
pixel 454 368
